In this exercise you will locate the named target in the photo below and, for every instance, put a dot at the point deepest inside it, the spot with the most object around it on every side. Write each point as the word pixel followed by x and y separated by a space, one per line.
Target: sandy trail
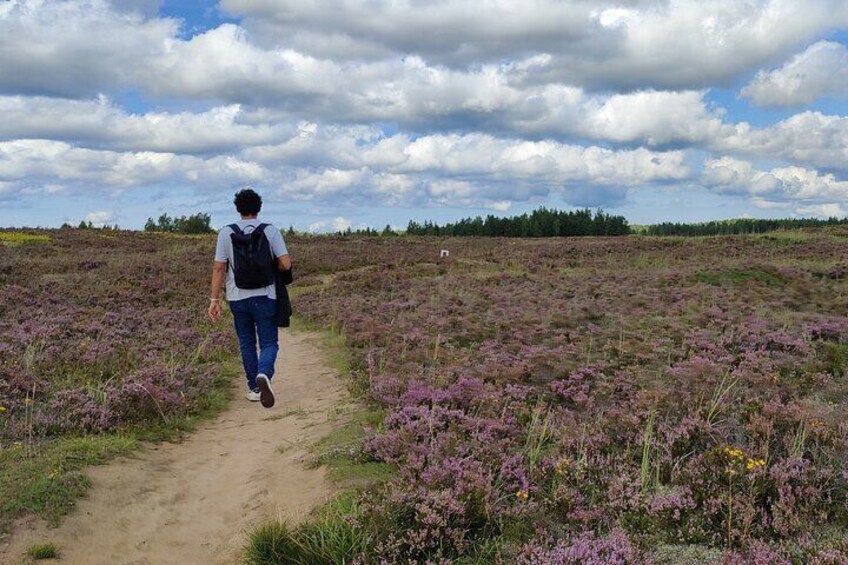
pixel 192 502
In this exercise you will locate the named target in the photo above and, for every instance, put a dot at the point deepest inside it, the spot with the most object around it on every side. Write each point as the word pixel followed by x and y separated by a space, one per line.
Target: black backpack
pixel 253 264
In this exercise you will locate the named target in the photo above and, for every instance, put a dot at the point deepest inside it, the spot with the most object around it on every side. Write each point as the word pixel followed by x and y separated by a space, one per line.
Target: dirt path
pixel 192 502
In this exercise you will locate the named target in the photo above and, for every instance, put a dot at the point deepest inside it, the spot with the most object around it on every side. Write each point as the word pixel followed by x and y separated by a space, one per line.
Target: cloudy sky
pixel 351 113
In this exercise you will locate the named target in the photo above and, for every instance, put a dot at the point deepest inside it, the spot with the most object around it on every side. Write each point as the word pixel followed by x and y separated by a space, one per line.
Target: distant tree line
pixel 362 232
pixel 369 232
pixel 196 223
pixel 89 225
pixel 542 222
pixel 741 226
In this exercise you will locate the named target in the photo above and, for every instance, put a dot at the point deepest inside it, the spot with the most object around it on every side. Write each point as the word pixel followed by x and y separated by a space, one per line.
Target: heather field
pixel 596 400
pixel 581 400
pixel 103 341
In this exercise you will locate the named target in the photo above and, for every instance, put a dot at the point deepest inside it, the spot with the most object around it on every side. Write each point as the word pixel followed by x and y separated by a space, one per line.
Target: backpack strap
pixel 261 229
pixel 236 230
pixel 257 230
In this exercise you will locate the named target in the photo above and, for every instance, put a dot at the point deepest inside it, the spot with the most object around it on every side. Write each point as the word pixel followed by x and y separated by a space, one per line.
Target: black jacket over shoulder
pixel 284 307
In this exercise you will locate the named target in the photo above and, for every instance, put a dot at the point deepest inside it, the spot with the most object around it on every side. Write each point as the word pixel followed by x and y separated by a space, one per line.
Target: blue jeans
pixel 252 316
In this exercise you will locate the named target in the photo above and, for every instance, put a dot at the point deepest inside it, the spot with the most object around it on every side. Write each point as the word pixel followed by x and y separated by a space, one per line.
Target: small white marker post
pixel 444 253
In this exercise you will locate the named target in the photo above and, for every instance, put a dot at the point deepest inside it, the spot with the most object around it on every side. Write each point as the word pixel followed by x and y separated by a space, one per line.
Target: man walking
pixel 245 257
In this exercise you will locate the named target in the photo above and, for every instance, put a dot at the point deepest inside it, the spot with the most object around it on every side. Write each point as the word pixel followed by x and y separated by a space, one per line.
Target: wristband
pixel 214 300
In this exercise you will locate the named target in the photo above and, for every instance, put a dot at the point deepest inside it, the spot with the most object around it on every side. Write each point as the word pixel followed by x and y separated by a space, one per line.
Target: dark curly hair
pixel 247 202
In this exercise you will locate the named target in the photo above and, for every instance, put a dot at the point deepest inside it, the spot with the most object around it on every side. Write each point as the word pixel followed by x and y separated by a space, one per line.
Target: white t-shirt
pixel 224 252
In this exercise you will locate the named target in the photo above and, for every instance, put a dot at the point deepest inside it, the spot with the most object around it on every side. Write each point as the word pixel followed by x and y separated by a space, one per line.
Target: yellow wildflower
pixel 2 408
pixel 734 453
pixel 754 464
pixel 522 494
pixel 562 465
pixel 735 456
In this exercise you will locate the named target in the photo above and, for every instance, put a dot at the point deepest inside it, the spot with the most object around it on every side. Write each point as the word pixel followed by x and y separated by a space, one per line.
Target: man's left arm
pixel 281 252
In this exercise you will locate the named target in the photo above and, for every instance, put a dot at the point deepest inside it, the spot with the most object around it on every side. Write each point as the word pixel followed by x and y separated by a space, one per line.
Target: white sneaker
pixel 253 396
pixel 266 395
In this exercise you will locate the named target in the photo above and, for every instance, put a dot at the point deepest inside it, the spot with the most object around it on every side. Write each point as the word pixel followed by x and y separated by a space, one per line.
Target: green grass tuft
pixel 43 551
pixel 270 544
pixel 330 536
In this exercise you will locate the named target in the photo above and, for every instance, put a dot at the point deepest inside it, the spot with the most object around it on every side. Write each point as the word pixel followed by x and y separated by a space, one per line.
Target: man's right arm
pixel 219 272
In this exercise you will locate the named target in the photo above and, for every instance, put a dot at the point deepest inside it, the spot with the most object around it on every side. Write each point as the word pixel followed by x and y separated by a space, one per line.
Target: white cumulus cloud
pixel 77 47
pixel 40 165
pixel 337 224
pixel 809 139
pixel 100 123
pixel 831 210
pixel 733 176
pixel 283 49
pixel 641 43
pixel 100 218
pixel 821 70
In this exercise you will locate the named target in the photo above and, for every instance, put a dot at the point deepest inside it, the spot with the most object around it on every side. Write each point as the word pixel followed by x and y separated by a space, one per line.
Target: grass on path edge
pixel 329 535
